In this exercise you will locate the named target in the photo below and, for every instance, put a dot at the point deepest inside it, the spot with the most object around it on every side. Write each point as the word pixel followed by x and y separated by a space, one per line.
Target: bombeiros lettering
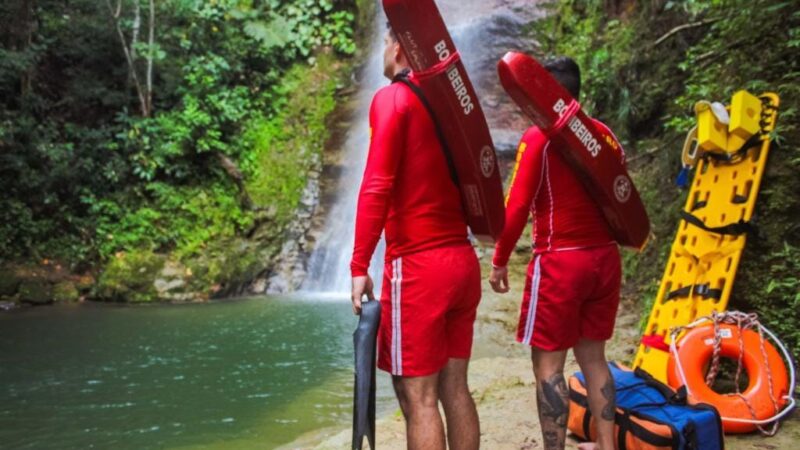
pixel 441 50
pixel 578 129
pixel 455 79
pixel 559 107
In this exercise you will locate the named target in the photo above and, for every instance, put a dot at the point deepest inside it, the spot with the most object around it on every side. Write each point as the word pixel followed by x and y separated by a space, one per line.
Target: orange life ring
pixel 695 351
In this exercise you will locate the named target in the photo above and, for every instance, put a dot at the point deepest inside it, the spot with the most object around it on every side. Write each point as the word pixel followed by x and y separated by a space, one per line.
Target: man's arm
pixel 385 150
pixel 522 192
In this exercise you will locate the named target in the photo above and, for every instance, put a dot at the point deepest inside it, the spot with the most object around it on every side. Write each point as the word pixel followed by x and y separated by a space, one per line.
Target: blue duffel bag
pixel 650 414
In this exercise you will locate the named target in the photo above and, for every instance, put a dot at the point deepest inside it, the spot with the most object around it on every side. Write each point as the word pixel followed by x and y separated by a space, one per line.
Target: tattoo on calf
pixel 551 440
pixel 551 399
pixel 609 393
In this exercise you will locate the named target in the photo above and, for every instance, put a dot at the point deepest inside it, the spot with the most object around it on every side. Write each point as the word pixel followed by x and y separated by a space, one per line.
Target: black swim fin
pixel 364 388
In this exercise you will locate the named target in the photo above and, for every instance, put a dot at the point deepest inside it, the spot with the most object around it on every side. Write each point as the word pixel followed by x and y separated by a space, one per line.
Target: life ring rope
pixel 743 321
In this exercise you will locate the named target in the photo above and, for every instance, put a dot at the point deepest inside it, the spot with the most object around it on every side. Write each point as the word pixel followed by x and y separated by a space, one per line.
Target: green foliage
pixel 642 75
pixel 290 143
pixel 86 176
pixel 166 217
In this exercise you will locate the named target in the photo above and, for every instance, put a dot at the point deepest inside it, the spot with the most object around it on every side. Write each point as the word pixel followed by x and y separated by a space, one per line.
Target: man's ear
pixel 400 56
pixel 398 53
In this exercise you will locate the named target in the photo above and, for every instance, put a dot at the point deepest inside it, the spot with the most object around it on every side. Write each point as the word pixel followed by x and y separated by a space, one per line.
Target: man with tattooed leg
pixel 572 286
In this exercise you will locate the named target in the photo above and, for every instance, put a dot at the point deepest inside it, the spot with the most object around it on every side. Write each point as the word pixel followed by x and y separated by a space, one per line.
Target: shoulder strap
pixel 402 77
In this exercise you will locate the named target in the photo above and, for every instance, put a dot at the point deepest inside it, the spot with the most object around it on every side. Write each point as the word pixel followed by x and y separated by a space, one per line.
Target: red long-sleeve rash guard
pixel 564 215
pixel 406 185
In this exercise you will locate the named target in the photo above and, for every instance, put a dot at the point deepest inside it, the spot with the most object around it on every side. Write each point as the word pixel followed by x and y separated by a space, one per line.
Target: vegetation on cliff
pixel 130 128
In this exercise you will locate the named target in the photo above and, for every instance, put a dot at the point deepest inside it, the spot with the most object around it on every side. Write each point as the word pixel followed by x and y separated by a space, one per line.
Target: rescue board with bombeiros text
pixel 443 79
pixel 591 151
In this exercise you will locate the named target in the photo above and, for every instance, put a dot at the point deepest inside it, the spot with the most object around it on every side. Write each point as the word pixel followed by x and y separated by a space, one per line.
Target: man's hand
pixel 499 279
pixel 361 285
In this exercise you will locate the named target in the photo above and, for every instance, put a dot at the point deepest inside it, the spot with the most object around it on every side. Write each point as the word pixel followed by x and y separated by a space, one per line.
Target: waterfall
pixel 329 264
pixel 482 31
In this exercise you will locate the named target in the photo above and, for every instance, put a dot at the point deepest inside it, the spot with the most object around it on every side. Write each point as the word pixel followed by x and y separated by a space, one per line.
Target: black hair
pixel 566 71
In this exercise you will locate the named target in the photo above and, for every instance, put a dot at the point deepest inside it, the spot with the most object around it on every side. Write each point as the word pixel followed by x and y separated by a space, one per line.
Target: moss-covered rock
pixel 9 282
pixel 228 267
pixel 65 291
pixel 35 291
pixel 129 277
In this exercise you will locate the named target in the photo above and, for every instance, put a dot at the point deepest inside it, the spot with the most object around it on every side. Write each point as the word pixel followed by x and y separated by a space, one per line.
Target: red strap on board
pixel 438 68
pixel 569 113
pixel 655 341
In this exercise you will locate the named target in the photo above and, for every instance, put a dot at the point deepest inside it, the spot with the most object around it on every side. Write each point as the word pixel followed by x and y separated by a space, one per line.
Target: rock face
pixel 172 284
pixel 291 268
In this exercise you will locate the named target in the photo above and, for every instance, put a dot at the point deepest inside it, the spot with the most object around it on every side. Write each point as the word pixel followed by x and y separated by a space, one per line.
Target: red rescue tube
pixel 433 57
pixel 553 110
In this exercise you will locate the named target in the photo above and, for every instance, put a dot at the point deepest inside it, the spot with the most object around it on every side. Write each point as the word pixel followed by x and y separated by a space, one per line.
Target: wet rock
pixel 8 305
pixel 170 282
pixel 163 286
pixel 36 292
pixel 65 291
pixel 259 286
pixel 184 297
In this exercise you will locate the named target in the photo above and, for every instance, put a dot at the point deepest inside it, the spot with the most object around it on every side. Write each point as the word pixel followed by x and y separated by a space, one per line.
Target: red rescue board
pixel 441 75
pixel 591 151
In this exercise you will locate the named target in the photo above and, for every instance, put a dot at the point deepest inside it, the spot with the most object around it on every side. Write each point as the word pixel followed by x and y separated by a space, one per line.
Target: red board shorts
pixel 569 295
pixel 428 307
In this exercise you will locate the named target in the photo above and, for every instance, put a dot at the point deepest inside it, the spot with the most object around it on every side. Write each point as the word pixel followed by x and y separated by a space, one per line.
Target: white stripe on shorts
pixel 537 275
pixel 397 350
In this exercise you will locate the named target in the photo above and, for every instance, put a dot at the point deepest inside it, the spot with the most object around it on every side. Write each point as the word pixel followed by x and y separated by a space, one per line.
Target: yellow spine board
pixel 720 194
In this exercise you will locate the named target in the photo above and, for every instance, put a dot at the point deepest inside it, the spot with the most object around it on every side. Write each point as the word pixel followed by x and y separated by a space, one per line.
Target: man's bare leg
pixel 419 401
pixel 551 396
pixel 463 428
pixel 591 358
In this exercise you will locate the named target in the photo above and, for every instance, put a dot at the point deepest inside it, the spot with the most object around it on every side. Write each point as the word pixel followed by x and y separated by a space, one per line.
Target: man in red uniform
pixel 431 286
pixel 572 286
